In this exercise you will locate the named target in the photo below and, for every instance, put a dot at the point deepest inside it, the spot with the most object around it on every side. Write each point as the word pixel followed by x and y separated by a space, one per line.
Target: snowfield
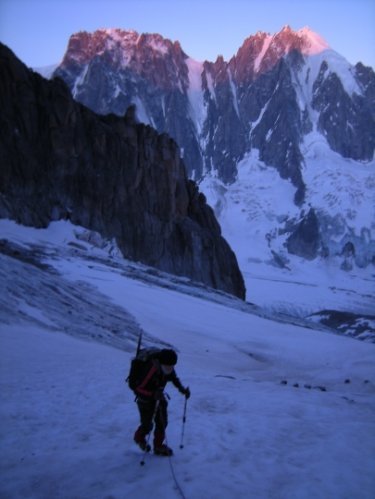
pixel 278 409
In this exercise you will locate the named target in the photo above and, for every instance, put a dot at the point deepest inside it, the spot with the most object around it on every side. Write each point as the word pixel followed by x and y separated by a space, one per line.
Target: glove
pixel 159 395
pixel 186 392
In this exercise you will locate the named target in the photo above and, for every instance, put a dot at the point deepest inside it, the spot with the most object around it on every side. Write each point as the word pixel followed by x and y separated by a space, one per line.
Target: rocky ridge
pixel 109 174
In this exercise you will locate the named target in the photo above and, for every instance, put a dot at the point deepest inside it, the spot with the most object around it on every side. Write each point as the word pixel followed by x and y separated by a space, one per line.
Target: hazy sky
pixel 38 30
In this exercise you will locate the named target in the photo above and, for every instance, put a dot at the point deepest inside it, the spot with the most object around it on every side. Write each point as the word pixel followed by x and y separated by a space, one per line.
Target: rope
pixel 178 487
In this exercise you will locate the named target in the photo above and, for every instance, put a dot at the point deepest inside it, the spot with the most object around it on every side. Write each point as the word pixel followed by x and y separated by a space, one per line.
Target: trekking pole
pixel 148 447
pixel 183 424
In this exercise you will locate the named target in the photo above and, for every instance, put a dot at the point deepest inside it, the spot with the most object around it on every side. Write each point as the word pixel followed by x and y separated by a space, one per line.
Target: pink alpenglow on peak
pixel 314 43
pixel 305 40
pixel 260 53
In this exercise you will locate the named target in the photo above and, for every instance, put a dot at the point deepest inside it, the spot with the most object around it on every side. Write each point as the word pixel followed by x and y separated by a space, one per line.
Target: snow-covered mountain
pixel 278 409
pixel 281 138
pixel 275 90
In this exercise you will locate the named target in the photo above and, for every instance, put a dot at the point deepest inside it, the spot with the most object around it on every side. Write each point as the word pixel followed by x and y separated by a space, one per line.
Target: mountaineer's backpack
pixel 138 366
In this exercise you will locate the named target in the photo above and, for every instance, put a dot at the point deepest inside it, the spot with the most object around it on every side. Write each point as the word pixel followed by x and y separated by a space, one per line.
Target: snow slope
pixel 67 419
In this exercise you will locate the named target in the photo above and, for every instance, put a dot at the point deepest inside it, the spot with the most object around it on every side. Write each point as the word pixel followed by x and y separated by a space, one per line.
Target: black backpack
pixel 138 366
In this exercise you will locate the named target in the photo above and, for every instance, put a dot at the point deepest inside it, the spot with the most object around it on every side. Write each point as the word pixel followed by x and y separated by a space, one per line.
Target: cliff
pixel 106 173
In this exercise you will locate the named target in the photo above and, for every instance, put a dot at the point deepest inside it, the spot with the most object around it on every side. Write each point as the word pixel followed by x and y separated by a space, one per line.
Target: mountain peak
pixel 262 51
pixel 122 45
pixel 314 42
pixel 307 41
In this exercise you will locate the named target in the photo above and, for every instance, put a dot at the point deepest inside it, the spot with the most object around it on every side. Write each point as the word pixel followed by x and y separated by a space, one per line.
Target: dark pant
pixel 149 416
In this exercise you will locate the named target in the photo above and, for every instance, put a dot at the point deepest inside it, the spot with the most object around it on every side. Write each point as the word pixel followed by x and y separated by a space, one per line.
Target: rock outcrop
pixel 305 239
pixel 106 173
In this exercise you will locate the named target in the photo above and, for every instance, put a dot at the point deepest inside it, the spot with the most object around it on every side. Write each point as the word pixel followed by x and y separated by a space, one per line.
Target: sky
pixel 38 30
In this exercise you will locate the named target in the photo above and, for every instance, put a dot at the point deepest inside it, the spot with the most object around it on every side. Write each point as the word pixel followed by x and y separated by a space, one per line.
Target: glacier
pixel 254 211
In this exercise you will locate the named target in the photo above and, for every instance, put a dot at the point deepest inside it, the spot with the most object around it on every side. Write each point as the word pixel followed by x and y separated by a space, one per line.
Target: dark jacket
pixel 155 380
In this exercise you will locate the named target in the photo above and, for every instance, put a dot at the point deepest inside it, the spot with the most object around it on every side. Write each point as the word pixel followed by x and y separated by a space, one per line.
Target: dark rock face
pixel 108 174
pixel 278 134
pixel 365 77
pixel 223 148
pixel 305 240
pixel 348 324
pixel 346 121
